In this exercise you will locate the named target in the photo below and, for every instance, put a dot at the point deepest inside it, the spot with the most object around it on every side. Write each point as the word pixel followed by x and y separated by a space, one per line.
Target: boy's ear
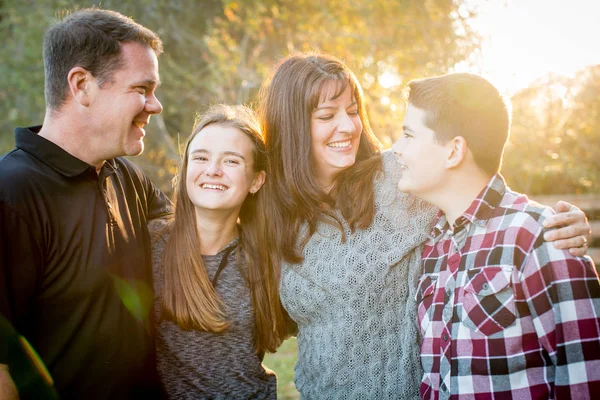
pixel 80 81
pixel 458 150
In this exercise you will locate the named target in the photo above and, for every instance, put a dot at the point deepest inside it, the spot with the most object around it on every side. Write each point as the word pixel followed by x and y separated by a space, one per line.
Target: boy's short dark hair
pixel 465 105
pixel 89 38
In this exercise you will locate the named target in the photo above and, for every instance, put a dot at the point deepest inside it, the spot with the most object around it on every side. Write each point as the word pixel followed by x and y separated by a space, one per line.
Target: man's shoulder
pixel 19 173
pixel 14 163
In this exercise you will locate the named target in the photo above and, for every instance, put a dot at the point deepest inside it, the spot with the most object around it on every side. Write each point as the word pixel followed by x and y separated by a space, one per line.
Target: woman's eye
pixel 327 117
pixel 407 135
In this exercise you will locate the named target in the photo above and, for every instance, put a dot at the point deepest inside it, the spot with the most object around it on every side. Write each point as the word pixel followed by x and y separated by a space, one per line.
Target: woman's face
pixel 220 170
pixel 335 133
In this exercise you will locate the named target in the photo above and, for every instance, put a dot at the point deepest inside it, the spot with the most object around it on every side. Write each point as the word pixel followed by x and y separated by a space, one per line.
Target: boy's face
pixel 422 159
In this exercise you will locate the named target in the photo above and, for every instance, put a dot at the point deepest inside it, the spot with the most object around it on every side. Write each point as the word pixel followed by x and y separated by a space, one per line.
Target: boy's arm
pixel 563 294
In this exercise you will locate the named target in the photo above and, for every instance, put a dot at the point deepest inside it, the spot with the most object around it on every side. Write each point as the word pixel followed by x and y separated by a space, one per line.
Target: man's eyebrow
pixel 148 82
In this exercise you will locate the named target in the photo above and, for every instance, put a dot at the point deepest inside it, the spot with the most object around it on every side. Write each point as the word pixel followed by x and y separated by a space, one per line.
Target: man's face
pixel 422 159
pixel 122 105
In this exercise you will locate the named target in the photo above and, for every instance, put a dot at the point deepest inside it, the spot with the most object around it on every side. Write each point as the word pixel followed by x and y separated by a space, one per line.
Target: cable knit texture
pixel 354 302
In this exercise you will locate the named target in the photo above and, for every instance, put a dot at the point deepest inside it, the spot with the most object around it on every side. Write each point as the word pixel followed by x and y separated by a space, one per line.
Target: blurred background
pixel 543 54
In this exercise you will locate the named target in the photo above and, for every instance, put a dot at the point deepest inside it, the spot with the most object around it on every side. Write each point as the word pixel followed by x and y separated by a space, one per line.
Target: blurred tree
pixel 221 50
pixel 555 139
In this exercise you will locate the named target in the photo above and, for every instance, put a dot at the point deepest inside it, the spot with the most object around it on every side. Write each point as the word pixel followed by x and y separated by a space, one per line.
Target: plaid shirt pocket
pixel 488 299
pixel 424 297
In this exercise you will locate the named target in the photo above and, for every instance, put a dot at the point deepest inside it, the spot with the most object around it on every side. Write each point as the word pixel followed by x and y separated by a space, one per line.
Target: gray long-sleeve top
pixel 202 365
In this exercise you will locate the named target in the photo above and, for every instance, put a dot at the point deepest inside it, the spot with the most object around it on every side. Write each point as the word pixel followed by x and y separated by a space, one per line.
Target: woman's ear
pixel 458 149
pixel 80 81
pixel 258 181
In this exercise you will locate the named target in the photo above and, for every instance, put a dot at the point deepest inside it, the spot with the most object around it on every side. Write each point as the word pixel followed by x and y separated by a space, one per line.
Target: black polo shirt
pixel 75 275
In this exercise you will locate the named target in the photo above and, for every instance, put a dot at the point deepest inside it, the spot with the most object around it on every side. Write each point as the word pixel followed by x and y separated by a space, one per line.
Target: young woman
pixel 350 243
pixel 216 305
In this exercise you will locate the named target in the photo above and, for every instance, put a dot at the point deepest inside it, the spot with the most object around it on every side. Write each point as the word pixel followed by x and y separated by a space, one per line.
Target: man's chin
pixel 135 150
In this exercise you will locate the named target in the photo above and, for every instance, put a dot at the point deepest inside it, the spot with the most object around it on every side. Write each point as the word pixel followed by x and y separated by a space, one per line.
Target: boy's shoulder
pixel 519 205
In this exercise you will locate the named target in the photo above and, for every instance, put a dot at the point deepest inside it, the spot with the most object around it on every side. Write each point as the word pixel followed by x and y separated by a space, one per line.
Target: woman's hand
pixel 572 230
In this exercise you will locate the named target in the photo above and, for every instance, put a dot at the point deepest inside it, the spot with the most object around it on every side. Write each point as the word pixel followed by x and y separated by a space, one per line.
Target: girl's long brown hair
pixel 286 103
pixel 190 300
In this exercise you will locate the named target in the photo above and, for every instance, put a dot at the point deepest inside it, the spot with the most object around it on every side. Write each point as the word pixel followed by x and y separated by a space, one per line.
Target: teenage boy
pixel 503 313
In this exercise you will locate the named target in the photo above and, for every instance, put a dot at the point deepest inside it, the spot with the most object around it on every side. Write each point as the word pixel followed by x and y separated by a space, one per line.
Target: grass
pixel 283 363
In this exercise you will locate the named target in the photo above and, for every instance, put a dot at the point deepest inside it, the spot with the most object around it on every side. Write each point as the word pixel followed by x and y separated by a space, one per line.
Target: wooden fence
pixel 590 204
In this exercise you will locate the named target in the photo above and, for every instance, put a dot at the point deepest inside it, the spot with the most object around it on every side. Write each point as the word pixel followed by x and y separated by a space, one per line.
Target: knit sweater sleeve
pixel 354 302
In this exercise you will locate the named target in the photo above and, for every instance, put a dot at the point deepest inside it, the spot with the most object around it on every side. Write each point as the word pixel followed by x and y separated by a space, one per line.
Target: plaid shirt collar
pixel 479 211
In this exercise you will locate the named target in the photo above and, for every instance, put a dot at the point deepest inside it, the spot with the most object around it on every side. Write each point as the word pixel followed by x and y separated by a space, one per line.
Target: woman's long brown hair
pixel 286 103
pixel 189 299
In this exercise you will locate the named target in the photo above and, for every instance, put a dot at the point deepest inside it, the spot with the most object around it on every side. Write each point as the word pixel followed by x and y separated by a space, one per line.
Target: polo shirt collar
pixel 28 140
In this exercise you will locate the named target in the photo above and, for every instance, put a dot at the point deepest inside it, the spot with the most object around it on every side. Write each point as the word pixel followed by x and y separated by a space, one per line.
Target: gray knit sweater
pixel 354 302
pixel 204 365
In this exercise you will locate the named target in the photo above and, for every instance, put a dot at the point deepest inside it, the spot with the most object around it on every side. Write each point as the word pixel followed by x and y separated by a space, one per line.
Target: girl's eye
pixel 353 112
pixel 232 161
pixel 199 158
pixel 407 135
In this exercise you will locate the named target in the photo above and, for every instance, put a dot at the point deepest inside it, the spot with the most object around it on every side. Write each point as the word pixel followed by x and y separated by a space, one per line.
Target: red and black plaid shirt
pixel 504 314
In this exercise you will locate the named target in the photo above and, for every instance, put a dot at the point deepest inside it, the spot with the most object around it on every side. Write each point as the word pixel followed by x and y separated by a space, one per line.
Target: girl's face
pixel 220 170
pixel 335 133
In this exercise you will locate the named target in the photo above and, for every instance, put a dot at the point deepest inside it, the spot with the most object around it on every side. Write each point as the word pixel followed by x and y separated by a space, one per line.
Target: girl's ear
pixel 258 181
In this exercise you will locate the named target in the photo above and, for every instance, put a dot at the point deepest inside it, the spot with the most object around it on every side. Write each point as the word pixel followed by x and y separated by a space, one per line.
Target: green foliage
pixel 221 51
pixel 555 139
pixel 283 363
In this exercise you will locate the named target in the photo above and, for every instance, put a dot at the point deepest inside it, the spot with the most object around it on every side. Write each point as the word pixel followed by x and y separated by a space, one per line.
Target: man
pixel 503 313
pixel 75 276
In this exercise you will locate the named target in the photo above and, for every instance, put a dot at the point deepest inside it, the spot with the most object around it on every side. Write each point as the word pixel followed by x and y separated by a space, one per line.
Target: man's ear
pixel 80 82
pixel 458 150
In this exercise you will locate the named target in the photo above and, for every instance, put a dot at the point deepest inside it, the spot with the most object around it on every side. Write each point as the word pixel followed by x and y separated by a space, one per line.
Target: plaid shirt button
pixel 509 302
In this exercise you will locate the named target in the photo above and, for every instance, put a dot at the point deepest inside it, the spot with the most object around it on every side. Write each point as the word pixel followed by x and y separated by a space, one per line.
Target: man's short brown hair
pixel 89 38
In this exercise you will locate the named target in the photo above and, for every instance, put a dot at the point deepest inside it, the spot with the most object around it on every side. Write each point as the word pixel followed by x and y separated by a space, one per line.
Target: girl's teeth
pixel 217 187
